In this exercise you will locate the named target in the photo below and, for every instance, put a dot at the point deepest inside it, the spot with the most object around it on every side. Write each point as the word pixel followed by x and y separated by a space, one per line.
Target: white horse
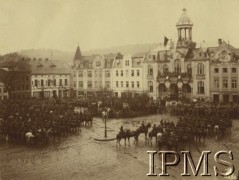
pixel 29 137
pixel 216 131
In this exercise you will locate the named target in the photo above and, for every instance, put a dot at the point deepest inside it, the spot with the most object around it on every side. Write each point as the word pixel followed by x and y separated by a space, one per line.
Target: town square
pixel 155 92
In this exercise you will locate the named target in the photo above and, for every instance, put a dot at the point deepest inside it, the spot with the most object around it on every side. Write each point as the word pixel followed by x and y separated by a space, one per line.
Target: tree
pixel 10 66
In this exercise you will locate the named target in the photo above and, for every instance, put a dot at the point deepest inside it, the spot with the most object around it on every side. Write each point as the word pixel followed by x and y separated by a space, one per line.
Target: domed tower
pixel 184 26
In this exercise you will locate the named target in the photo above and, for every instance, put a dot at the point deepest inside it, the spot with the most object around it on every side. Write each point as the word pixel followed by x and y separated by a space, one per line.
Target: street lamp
pixel 105 115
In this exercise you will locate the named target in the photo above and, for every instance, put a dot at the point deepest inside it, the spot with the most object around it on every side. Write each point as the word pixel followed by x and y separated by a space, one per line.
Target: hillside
pixel 65 56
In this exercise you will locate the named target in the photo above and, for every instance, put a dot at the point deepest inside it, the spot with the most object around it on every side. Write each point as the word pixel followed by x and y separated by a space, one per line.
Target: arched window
pixel 200 68
pixel 200 87
pixel 177 66
pixel 150 86
pixel 150 70
pixel 189 69
pixel 165 68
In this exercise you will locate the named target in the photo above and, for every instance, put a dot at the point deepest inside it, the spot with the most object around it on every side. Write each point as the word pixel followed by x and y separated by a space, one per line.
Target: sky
pixel 94 24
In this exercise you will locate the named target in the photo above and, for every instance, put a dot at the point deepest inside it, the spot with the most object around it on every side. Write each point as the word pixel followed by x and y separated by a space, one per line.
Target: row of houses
pixel 179 69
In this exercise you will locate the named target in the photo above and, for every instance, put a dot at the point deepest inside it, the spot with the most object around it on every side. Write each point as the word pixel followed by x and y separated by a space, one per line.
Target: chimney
pixel 219 41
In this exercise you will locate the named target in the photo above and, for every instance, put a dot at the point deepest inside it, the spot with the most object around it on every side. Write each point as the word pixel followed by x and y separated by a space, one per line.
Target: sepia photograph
pixel 119 89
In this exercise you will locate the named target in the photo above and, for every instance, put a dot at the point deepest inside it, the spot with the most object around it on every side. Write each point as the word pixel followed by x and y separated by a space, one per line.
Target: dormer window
pixel 118 62
pixel 138 62
pixel 98 63
pixel 126 63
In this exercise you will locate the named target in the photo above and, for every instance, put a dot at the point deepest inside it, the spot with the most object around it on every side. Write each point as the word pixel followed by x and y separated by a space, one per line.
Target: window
pixel 54 82
pixel 234 83
pixel 132 72
pixel 89 73
pixel 234 70
pixel 127 84
pixel 60 82
pixel 107 74
pixel 42 82
pixel 126 63
pixel 117 73
pixel 80 84
pixel 150 86
pixel 122 84
pixel 98 63
pixel 117 84
pixel 36 82
pixel 224 83
pixel 132 84
pixel 138 73
pixel 49 82
pixel 216 70
pixel 150 70
pixel 216 83
pixel 127 73
pixel 89 84
pixel 200 68
pixel 177 66
pixel 66 82
pixel 107 84
pixel 165 68
pixel 154 57
pixel 189 69
pixel 122 73
pixel 80 74
pixel 200 87
pixel 96 73
pixel 224 70
pixel 137 84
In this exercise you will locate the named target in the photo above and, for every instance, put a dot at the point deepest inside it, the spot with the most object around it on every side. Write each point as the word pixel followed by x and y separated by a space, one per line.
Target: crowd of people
pixel 195 123
pixel 33 119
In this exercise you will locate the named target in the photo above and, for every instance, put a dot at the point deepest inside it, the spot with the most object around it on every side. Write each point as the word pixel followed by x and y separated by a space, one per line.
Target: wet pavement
pixel 80 157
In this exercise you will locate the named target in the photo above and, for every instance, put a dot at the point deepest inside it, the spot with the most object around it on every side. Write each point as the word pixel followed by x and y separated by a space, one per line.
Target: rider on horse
pixel 121 130
pixel 154 130
pixel 142 125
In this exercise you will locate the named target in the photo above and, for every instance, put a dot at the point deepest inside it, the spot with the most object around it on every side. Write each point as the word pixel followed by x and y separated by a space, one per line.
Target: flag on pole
pixel 165 41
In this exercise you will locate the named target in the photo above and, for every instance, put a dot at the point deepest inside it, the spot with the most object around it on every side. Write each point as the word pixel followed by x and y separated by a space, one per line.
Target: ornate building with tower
pixel 177 70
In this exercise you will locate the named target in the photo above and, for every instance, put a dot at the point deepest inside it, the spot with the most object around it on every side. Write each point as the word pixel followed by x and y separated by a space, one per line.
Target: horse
pixel 145 129
pixel 29 137
pixel 121 135
pixel 216 132
pixel 134 134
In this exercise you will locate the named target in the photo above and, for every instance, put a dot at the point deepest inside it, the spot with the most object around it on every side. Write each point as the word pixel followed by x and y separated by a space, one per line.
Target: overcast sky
pixel 61 24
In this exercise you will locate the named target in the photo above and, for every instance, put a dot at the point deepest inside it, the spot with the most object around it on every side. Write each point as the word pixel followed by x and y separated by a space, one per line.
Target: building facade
pixel 3 92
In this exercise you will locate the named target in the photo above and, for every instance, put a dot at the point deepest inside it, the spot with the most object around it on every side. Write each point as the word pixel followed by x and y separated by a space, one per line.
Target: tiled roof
pixel 48 67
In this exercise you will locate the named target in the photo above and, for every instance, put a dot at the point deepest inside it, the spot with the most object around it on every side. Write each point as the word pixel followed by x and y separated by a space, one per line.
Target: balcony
pixel 200 76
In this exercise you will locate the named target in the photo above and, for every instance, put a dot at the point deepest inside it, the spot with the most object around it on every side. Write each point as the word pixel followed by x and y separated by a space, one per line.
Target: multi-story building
pixel 93 74
pixel 180 69
pixel 128 76
pixel 49 79
pixel 224 76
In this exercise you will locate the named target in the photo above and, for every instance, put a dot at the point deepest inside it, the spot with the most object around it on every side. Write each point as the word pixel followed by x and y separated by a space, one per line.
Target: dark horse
pixel 121 135
pixel 134 134
pixel 145 129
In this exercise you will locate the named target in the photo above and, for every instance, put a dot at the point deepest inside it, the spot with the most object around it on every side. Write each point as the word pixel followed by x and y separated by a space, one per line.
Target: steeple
pixel 78 53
